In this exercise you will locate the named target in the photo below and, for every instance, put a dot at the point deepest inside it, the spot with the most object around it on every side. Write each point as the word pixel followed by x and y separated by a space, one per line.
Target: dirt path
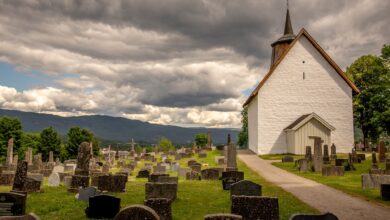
pixel 319 196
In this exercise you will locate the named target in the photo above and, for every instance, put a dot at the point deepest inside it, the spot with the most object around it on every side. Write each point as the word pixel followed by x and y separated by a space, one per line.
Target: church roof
pixel 303 32
pixel 306 118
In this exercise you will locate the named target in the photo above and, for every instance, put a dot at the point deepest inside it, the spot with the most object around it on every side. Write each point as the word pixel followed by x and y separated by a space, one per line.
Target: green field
pixel 349 183
pixel 194 198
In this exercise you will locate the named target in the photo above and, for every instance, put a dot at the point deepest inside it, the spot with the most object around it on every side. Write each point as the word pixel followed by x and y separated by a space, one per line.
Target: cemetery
pixel 189 183
pixel 360 173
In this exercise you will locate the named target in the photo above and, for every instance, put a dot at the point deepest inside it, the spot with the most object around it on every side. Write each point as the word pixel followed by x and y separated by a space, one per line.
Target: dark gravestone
pixel 349 166
pixel 255 207
pixel 193 175
pixel 168 179
pixel 20 176
pixel 385 191
pixel 325 216
pixel 245 188
pixel 83 157
pixel 317 156
pixel 374 162
pixel 154 177
pixel 210 174
pixel 382 151
pixel 12 204
pixel 231 156
pixel 326 158
pixel 361 157
pixel 230 177
pixel 137 212
pixel 7 178
pixel 103 206
pixel 288 159
pixel 333 155
pixel 161 206
pixel 191 162
pixel 197 167
pixel 222 216
pixel 333 171
pixel 32 185
pixel 78 182
pixel 308 156
pixel 303 165
pixel 341 162
pixel 161 190
pixel 112 183
pixel 144 173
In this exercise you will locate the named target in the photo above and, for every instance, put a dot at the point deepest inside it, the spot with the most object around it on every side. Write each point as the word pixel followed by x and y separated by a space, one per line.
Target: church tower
pixel 279 46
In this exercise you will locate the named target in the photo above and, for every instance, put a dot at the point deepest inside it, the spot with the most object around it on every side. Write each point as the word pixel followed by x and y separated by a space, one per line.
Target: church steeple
pixel 279 46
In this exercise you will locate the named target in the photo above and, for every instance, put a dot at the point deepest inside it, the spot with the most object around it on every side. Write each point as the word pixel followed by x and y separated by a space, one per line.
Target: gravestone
pixel 385 191
pixel 222 216
pixel 308 155
pixel 183 171
pixel 51 157
pixel 326 158
pixel 210 174
pixel 175 167
pixel 137 212
pixel 154 177
pixel 143 173
pixel 10 152
pixel 193 175
pixel 37 163
pixel 54 179
pixel 202 154
pixel 106 168
pixel 303 165
pixel 177 156
pixel 287 159
pixel 168 179
pixel 30 156
pixel 370 181
pixel 333 171
pixel 231 156
pixel 161 190
pixel 349 166
pixel 161 206
pixel 230 177
pixel 191 162
pixel 333 154
pixel 103 206
pixel 341 162
pixel 12 204
pixel 86 193
pixel 255 207
pixel 374 163
pixel 245 188
pixel 197 167
pixel 361 157
pixel 112 183
pixel 317 157
pixel 220 160
pixel 83 157
pixel 20 176
pixel 58 169
pixel 67 181
pixel 159 169
pixel 325 216
pixel 7 178
pixel 77 182
pixel 382 151
pixel 32 184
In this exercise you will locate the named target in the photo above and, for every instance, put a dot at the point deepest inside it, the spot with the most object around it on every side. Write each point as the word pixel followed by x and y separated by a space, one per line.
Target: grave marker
pixel 138 212
pixel 103 206
pixel 255 207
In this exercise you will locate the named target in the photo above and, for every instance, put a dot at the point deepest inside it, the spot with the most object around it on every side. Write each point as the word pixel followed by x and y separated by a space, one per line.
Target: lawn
pixel 349 183
pixel 194 199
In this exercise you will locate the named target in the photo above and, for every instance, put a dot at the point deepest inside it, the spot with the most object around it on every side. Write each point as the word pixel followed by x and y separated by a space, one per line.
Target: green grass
pixel 278 156
pixel 349 183
pixel 195 199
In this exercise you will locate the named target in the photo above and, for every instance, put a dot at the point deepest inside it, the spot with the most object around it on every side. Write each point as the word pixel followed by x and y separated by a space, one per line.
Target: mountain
pixel 117 128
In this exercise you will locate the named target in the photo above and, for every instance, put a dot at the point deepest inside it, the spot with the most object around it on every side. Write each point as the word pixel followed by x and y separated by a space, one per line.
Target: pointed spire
pixel 288 27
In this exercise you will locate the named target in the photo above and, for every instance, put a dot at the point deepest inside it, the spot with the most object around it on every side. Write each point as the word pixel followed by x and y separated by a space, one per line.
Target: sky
pixel 180 62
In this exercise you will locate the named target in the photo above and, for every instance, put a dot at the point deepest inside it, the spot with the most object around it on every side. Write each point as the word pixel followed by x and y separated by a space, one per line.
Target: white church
pixel 305 93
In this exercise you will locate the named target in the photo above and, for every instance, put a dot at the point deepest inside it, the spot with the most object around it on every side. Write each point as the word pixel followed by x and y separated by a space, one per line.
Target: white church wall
pixel 253 124
pixel 288 94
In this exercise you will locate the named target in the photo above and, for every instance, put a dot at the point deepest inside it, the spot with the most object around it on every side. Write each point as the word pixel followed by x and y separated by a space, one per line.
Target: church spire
pixel 279 46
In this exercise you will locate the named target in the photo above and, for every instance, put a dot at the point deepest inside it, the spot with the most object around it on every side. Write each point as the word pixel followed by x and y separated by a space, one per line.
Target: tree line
pixel 44 142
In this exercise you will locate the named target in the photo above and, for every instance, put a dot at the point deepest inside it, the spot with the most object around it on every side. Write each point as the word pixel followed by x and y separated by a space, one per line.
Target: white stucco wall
pixel 253 124
pixel 286 96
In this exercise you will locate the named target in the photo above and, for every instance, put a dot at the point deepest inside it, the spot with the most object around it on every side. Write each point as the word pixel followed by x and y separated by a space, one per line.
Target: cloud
pixel 179 62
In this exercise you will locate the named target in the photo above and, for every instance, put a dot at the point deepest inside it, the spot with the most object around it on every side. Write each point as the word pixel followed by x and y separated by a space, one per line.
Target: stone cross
pixel 83 157
pixel 317 157
pixel 10 151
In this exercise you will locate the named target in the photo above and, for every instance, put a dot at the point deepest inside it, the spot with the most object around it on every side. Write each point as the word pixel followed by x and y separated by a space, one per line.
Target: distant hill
pixel 116 128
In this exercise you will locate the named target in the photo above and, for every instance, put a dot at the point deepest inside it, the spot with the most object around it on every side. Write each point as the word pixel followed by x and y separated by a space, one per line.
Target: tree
pixel 371 76
pixel 31 140
pixel 76 136
pixel 9 128
pixel 201 139
pixel 243 135
pixel 50 141
pixel 165 145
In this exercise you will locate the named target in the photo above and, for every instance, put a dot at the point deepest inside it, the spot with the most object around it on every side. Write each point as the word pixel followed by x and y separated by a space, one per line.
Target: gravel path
pixel 319 196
